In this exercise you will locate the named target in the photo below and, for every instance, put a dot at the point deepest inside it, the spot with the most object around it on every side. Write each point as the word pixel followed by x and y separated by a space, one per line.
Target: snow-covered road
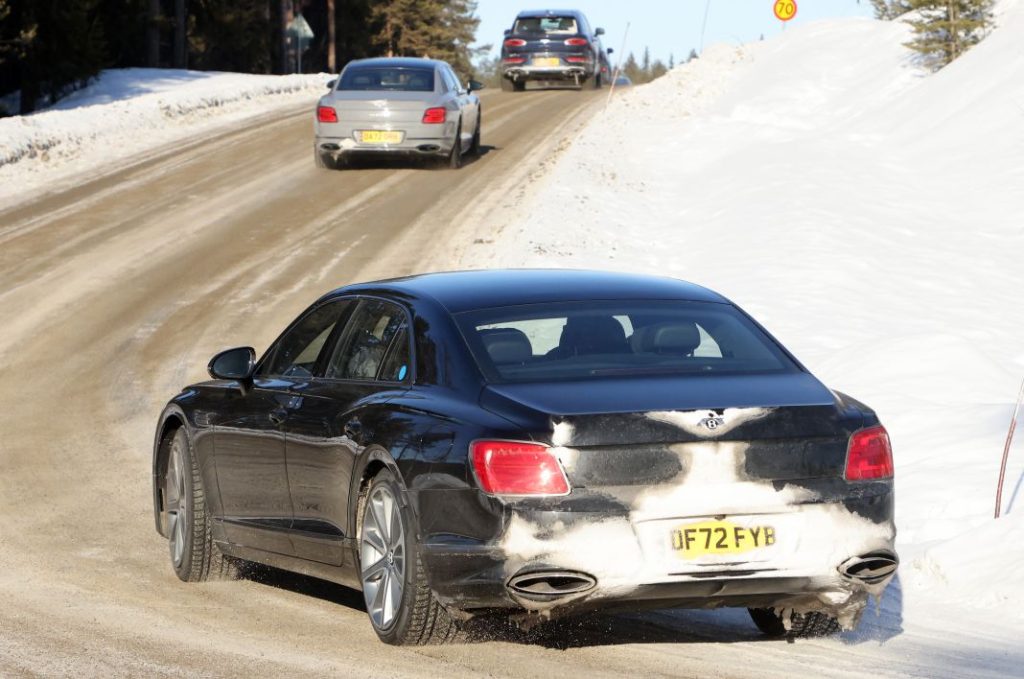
pixel 868 214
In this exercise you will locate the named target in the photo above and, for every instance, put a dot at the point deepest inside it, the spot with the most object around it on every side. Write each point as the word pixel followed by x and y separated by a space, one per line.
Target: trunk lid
pixel 643 432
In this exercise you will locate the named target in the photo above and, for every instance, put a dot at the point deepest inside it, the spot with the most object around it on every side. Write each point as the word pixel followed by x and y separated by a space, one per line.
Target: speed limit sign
pixel 785 9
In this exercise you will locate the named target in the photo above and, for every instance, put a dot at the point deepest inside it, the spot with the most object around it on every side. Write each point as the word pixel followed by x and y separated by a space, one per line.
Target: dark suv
pixel 553 45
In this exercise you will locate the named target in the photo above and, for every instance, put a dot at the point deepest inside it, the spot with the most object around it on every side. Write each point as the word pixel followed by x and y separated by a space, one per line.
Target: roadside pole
pixel 618 66
pixel 1006 450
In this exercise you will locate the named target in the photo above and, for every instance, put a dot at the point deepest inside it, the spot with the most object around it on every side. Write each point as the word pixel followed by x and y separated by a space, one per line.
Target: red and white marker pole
pixel 1006 451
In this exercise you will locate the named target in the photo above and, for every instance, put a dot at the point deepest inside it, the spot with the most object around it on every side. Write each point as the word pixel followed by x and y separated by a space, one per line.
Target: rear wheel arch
pixel 375 458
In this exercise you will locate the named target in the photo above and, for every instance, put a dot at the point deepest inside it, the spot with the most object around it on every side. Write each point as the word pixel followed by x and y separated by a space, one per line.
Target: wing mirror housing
pixel 508 31
pixel 332 83
pixel 475 85
pixel 598 31
pixel 610 50
pixel 233 364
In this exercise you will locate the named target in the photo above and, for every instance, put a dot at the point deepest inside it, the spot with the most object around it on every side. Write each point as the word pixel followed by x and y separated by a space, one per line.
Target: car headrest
pixel 507 345
pixel 666 338
pixel 592 335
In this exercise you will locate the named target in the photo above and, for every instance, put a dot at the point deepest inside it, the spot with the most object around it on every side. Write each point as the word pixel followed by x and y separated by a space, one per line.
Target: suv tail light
pixel 514 468
pixel 515 42
pixel 435 116
pixel 577 42
pixel 326 114
pixel 869 455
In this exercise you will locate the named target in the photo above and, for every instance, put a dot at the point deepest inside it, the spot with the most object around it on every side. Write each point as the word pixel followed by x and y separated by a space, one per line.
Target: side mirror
pixel 475 85
pixel 508 31
pixel 332 83
pixel 598 31
pixel 610 50
pixel 233 364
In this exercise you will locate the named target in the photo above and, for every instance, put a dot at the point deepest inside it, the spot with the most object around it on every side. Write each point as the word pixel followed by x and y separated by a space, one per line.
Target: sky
pixel 668 26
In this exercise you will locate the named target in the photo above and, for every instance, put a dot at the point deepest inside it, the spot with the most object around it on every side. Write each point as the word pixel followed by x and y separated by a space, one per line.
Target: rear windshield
pixel 550 25
pixel 579 340
pixel 391 78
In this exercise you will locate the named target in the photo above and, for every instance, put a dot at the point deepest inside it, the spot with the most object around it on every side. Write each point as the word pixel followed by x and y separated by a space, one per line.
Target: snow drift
pixel 130 111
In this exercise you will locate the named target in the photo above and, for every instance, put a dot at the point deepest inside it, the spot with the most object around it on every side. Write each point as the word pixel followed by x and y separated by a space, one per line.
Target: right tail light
pixel 869 455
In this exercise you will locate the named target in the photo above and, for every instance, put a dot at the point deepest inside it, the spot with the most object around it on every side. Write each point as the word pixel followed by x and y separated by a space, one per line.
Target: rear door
pixel 334 420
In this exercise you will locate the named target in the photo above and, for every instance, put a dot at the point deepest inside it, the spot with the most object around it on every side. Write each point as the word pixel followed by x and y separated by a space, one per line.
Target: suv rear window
pixel 549 25
pixel 580 340
pixel 390 78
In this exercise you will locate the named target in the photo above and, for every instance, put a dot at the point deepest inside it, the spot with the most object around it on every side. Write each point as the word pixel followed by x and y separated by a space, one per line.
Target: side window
pixel 396 362
pixel 450 81
pixel 296 353
pixel 366 342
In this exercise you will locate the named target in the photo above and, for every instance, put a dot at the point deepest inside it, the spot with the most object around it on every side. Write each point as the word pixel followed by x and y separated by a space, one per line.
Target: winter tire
pixel 400 605
pixel 455 157
pixel 474 147
pixel 770 622
pixel 194 555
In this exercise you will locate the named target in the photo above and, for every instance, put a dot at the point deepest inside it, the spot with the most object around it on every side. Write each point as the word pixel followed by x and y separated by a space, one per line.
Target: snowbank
pixel 129 111
pixel 870 215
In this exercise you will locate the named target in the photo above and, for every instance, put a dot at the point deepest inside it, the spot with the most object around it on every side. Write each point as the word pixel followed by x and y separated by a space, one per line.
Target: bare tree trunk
pixel 284 7
pixel 180 35
pixel 332 64
pixel 153 35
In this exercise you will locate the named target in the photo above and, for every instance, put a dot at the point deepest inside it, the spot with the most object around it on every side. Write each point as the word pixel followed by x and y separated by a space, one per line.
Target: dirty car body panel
pixel 704 466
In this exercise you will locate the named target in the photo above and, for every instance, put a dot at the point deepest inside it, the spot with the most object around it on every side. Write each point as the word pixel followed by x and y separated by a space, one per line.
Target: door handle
pixel 278 415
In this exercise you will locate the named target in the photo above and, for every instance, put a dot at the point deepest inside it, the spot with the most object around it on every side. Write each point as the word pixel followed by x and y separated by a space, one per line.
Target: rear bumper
pixel 338 146
pixel 597 562
pixel 525 72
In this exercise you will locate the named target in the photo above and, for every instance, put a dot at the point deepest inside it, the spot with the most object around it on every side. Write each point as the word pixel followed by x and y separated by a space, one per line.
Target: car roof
pixel 533 13
pixel 396 61
pixel 467 290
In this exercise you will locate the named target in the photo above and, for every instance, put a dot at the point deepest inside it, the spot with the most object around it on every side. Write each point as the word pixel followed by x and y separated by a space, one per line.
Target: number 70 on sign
pixel 785 9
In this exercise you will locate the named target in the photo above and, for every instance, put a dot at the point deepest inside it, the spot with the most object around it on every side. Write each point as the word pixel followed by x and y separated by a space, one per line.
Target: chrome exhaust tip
pixel 870 568
pixel 330 147
pixel 428 148
pixel 550 585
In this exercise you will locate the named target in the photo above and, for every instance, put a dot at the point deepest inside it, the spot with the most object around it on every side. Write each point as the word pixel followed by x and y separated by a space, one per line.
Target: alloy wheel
pixel 382 557
pixel 177 504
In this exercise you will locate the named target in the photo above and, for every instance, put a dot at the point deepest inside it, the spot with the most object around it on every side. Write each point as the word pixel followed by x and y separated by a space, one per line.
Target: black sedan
pixel 531 444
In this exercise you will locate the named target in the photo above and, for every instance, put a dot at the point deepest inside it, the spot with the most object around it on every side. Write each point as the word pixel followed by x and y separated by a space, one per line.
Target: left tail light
pixel 517 468
pixel 326 114
pixel 515 42
pixel 869 455
pixel 434 116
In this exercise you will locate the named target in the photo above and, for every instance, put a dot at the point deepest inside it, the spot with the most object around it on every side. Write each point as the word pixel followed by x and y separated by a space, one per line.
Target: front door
pixel 249 441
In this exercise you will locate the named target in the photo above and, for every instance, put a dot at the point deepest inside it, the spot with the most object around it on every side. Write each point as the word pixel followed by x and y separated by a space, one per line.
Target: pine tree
pixel 658 69
pixel 945 29
pixel 890 9
pixel 58 46
pixel 229 35
pixel 438 29
pixel 693 55
pixel 646 63
pixel 671 61
pixel 632 69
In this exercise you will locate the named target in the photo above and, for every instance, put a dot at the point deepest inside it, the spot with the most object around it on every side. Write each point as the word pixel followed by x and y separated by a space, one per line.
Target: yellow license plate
pixel 380 137
pixel 694 540
pixel 547 61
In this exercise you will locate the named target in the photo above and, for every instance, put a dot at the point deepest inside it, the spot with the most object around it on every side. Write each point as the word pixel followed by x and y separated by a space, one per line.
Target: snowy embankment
pixel 129 112
pixel 872 217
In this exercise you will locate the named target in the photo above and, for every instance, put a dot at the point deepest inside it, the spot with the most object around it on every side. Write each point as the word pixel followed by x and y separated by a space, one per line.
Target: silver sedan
pixel 400 105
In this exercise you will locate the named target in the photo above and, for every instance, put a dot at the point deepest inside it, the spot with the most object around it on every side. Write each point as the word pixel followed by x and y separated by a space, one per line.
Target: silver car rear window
pixel 547 25
pixel 387 78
